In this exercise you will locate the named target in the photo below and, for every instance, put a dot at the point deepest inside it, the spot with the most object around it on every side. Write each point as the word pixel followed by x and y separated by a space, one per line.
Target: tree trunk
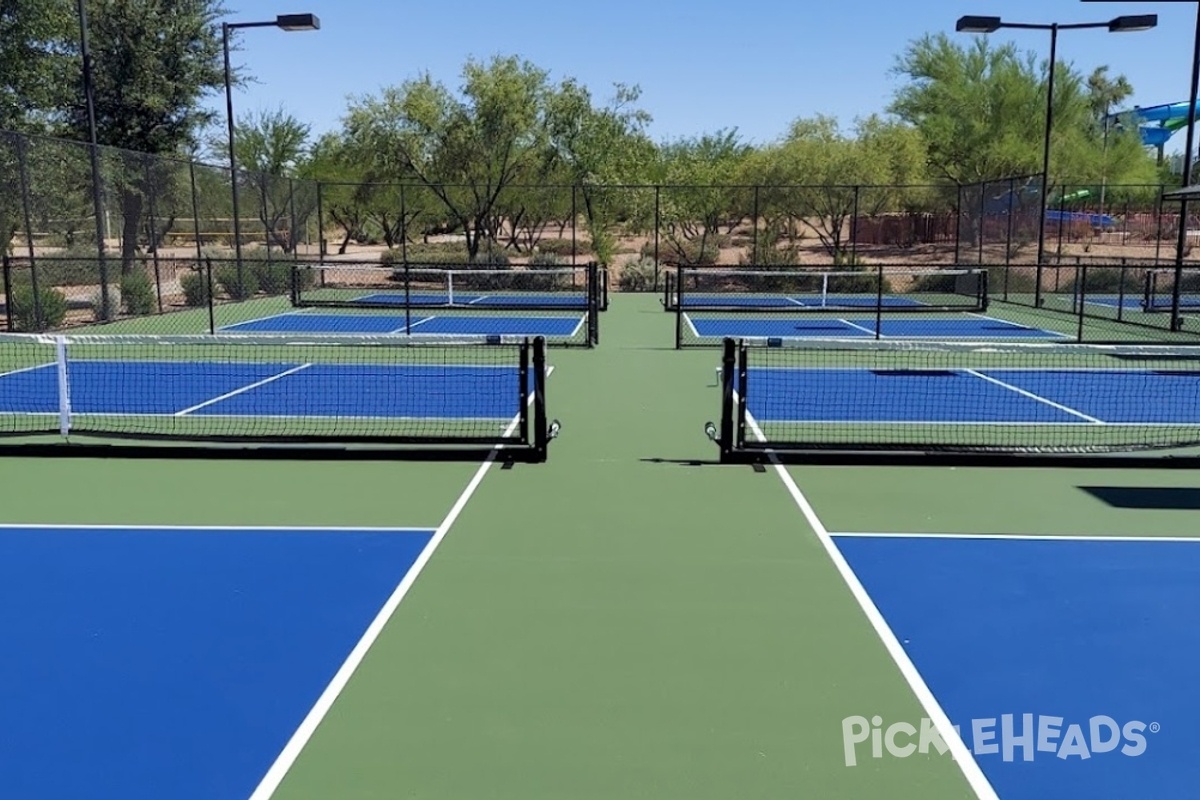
pixel 131 211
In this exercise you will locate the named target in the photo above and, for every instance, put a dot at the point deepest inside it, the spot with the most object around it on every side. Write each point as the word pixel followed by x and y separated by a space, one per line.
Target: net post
pixel 728 369
pixel 295 287
pixel 212 299
pixel 1082 298
pixel 679 307
pixel 8 313
pixel 985 288
pixel 64 393
pixel 593 303
pixel 879 302
pixel 523 393
pixel 407 297
pixel 742 381
pixel 1121 291
pixel 541 425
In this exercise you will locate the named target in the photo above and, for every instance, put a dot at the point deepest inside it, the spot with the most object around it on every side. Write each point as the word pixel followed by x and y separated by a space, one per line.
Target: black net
pixel 942 396
pixel 1160 290
pixel 382 390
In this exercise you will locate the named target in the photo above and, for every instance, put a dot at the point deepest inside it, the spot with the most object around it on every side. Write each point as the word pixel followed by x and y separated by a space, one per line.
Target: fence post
pixel 212 297
pixel 754 228
pixel 657 222
pixel 958 224
pixel 149 173
pixel 293 238
pixel 268 223
pixel 321 220
pixel 574 224
pixel 1158 226
pixel 1082 274
pixel 854 229
pixel 982 227
pixel 404 234
pixel 8 297
pixel 23 169
pixel 196 214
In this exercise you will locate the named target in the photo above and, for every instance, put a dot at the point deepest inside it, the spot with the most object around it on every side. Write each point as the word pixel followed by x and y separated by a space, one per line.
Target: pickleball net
pixel 795 290
pixel 482 392
pixel 931 397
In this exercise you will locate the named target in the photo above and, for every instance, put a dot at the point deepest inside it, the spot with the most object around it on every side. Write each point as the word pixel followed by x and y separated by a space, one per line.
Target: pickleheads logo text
pixel 1011 737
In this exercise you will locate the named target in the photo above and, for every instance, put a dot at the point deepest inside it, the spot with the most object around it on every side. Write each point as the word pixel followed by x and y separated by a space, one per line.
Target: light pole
pixel 89 96
pixel 1125 24
pixel 287 22
pixel 1189 149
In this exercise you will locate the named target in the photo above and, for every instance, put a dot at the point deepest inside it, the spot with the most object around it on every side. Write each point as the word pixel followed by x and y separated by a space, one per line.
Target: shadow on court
pixel 1158 498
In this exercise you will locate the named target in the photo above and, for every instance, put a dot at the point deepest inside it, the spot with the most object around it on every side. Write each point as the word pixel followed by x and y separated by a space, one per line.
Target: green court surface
pixel 628 620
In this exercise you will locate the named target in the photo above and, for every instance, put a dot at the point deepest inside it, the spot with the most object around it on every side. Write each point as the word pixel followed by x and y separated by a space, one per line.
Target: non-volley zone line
pixel 1078 656
pixel 550 327
pixel 971 328
pixel 993 396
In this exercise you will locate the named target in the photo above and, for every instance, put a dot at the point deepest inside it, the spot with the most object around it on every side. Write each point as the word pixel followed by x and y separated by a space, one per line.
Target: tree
pixel 981 111
pixel 37 71
pixel 699 195
pixel 270 147
pixel 465 148
pixel 154 60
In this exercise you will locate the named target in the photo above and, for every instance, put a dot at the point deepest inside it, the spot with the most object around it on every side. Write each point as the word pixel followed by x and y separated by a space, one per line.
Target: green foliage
pixel 36 67
pixel 703 252
pixel 137 294
pixel 77 266
pixel 34 313
pixel 195 289
pixel 545 261
pixel 563 247
pixel 638 276
pixel 236 287
pixel 272 278
pixel 981 109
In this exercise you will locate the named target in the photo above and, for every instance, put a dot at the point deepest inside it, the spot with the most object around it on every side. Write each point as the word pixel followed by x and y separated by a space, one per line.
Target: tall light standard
pixel 287 22
pixel 89 96
pixel 1125 24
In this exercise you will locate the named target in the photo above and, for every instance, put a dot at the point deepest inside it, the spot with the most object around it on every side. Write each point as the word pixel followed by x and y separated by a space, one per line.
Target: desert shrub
pixel 137 294
pixel 195 289
pixel 638 276
pixel 545 261
pixel 563 247
pixel 272 278
pixel 236 287
pixel 36 313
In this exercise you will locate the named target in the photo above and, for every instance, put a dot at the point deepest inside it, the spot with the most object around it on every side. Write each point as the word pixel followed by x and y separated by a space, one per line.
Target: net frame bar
pixel 526 437
pixel 593 294
pixel 676 296
pixel 1160 283
pixel 742 441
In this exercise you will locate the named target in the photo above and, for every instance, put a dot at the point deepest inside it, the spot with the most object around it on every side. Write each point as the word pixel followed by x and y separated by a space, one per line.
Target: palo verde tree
pixel 981 109
pixel 464 148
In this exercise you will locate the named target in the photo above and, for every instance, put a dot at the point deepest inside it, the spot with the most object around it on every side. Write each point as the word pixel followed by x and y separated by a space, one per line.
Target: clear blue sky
pixel 702 65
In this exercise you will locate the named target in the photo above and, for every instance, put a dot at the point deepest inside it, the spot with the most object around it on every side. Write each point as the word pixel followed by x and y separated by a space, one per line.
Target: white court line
pixel 291 751
pixel 408 327
pixel 1018 537
pixel 575 332
pixel 214 528
pixel 227 328
pixel 690 324
pixel 1033 396
pixel 859 327
pixel 26 369
pixel 959 751
pixel 242 390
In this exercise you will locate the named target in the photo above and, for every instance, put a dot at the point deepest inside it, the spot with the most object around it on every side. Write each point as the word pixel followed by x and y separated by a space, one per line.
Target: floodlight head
pixel 1133 23
pixel 970 24
pixel 298 22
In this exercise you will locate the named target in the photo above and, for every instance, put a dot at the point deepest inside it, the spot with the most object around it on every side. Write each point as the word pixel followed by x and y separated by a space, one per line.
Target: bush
pixel 51 303
pixel 227 279
pixel 104 313
pixel 493 259
pixel 77 266
pixel 637 276
pixel 545 261
pixel 688 252
pixel 563 247
pixel 195 289
pixel 272 278
pixel 137 294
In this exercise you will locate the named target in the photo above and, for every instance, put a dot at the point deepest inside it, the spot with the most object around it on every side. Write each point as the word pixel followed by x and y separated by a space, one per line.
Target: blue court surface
pixel 1067 665
pixel 149 663
pixel 973 328
pixel 525 299
pixel 364 324
pixel 986 396
pixel 182 388
pixel 800 300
